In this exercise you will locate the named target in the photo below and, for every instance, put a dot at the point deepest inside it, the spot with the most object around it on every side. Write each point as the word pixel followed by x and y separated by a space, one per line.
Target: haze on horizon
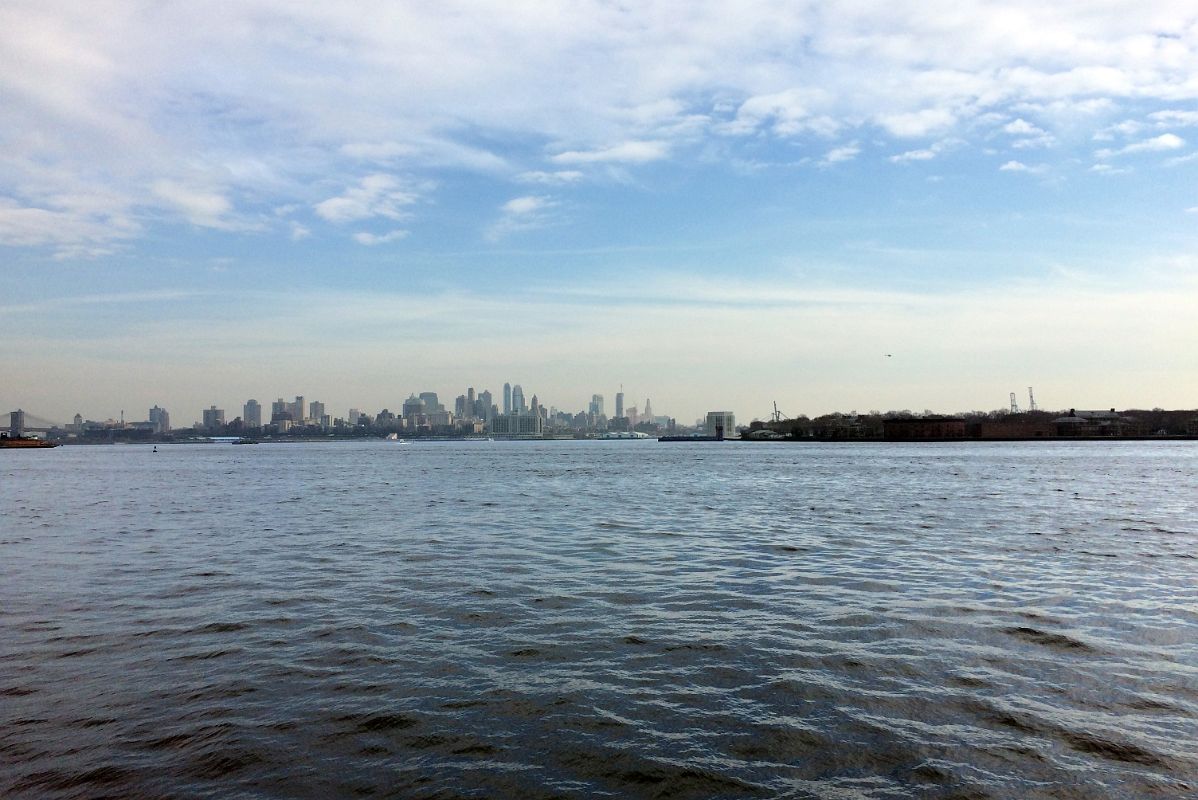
pixel 717 205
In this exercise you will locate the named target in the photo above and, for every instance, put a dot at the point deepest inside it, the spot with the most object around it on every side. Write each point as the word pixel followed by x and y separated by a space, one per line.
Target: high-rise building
pixel 507 398
pixel 316 410
pixel 251 414
pixel 16 422
pixel 459 406
pixel 431 403
pixel 354 416
pixel 596 406
pixel 413 407
pixel 648 410
pixel 724 420
pixel 471 399
pixel 214 418
pixel 160 420
pixel 619 404
pixel 278 408
pixel 297 409
pixel 484 405
pixel 518 404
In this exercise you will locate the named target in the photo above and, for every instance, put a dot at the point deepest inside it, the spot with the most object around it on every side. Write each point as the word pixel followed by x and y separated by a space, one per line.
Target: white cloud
pixel 913 155
pixel 370 239
pixel 200 206
pixel 551 178
pixel 521 214
pixel 377 195
pixel 1157 144
pixel 917 123
pixel 625 153
pixel 1019 166
pixel 838 154
pixel 299 231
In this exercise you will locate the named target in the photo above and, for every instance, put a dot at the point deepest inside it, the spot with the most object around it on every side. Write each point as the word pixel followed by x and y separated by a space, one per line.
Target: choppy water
pixel 591 619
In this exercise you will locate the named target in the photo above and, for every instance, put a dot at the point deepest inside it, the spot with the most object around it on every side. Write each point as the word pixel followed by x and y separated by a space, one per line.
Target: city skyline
pixel 731 204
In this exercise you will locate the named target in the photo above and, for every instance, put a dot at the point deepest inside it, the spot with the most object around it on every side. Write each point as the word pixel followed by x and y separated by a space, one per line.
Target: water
pixel 600 619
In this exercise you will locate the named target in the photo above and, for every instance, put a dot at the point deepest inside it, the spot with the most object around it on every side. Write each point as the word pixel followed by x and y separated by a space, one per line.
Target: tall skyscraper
pixel 484 405
pixel 620 403
pixel 214 418
pixel 596 406
pixel 518 404
pixel 317 410
pixel 251 414
pixel 160 420
pixel 648 410
pixel 297 409
pixel 431 403
pixel 507 398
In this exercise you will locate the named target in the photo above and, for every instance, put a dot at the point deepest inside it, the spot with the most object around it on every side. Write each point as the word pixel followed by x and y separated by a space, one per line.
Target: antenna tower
pixel 1031 400
pixel 1014 405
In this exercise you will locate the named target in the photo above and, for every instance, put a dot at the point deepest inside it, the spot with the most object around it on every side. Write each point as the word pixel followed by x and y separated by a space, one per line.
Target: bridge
pixel 21 422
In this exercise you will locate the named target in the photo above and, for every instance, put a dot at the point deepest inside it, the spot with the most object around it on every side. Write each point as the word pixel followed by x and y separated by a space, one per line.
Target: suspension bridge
pixel 21 422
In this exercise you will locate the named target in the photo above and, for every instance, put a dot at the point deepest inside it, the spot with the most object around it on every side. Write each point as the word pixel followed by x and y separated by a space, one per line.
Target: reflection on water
pixel 584 619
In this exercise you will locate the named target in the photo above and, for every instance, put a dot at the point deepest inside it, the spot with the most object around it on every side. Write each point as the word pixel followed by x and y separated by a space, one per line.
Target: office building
pixel 160 421
pixel 251 414
pixel 518 424
pixel 507 398
pixel 596 405
pixel 214 418
pixel 518 404
pixel 619 404
pixel 315 410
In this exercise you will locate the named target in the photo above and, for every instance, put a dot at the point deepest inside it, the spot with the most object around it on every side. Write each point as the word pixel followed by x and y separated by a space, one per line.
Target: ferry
pixel 624 435
pixel 25 442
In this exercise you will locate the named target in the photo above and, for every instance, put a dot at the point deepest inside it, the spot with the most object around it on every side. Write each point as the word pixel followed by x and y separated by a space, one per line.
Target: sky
pixel 829 205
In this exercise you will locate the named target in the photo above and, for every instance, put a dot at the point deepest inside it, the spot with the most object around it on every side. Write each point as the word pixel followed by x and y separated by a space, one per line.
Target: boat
pixel 624 435
pixel 24 442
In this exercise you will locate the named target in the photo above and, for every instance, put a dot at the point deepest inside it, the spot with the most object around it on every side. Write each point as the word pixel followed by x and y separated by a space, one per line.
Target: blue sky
pixel 717 205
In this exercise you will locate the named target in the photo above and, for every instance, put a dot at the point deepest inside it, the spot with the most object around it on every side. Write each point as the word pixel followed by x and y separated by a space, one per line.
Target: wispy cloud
pixel 625 153
pixel 521 214
pixel 371 239
pixel 1157 144
pixel 377 195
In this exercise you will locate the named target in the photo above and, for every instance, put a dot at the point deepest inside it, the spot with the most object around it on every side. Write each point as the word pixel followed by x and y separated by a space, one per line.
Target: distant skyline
pixel 717 205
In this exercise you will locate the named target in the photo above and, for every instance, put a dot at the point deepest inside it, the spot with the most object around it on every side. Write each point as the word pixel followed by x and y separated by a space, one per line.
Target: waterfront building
pixel 160 421
pixel 720 422
pixel 518 424
pixel 251 414
pixel 923 428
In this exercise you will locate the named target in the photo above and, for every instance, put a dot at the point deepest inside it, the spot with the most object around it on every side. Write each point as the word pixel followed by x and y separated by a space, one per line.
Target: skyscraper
pixel 484 405
pixel 507 398
pixel 596 406
pixel 297 409
pixel 431 403
pixel 251 414
pixel 160 420
pixel 317 410
pixel 620 403
pixel 517 403
pixel 214 418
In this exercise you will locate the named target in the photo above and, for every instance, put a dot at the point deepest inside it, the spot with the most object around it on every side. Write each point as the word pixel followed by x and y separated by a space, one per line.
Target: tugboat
pixel 24 442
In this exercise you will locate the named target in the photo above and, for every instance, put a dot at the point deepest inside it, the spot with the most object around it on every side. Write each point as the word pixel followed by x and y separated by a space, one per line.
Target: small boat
pixel 24 442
